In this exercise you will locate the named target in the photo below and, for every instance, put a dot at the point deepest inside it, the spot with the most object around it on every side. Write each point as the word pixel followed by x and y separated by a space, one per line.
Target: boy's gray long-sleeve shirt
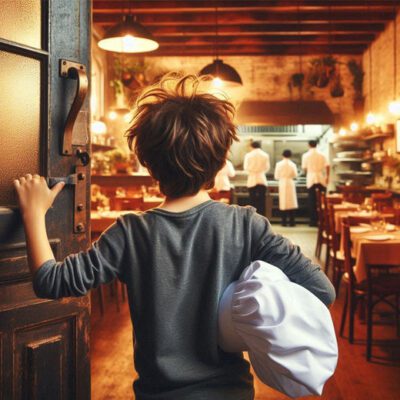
pixel 176 267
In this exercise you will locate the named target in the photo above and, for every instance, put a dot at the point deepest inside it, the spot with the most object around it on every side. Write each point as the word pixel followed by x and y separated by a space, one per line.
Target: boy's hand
pixel 34 196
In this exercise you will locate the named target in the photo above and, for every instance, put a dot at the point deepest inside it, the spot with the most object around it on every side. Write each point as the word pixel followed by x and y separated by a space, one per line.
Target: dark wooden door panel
pixel 44 349
pixel 50 352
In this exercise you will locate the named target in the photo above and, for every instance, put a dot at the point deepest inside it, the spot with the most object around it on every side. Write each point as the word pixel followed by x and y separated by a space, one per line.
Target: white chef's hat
pixel 287 331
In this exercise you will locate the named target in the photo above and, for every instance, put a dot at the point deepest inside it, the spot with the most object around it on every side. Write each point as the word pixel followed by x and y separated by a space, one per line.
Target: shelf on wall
pixel 101 147
pixel 378 136
pixel 122 180
pixel 357 173
pixel 350 159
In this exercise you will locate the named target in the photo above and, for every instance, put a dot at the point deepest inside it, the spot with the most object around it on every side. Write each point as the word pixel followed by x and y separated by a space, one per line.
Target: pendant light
pixel 129 36
pixel 224 74
pixel 394 106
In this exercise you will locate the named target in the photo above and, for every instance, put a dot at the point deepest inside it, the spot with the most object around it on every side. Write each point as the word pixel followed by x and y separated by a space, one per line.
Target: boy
pixel 176 260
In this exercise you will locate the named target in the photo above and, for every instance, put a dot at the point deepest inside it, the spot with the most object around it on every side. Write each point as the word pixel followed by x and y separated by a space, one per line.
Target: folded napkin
pixel 287 331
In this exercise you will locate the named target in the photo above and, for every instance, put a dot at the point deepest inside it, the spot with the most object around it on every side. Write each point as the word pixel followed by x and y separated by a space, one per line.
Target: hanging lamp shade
pixel 129 36
pixel 224 72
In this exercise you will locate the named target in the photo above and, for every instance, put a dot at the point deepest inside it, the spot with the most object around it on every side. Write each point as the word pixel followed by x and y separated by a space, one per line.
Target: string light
pixel 371 119
pixel 98 127
pixel 112 115
pixel 354 126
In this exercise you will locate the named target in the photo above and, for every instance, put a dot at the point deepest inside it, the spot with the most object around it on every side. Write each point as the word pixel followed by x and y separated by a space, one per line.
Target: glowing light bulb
pixel 98 127
pixel 112 115
pixel 128 117
pixel 129 43
pixel 354 127
pixel 217 82
pixel 342 132
pixel 394 107
pixel 371 119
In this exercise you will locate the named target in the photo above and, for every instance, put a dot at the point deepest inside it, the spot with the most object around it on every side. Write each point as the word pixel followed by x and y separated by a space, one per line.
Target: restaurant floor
pixel 354 379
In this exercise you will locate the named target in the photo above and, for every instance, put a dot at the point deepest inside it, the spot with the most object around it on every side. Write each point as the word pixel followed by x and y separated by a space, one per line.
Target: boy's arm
pixel 35 198
pixel 283 254
pixel 77 273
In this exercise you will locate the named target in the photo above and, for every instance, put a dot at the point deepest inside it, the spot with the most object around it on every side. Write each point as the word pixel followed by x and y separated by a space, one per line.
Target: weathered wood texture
pixel 265 27
pixel 355 379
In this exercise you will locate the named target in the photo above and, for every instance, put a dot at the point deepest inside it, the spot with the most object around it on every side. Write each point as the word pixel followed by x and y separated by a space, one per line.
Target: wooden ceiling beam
pixel 281 29
pixel 173 6
pixel 256 50
pixel 264 40
pixel 249 18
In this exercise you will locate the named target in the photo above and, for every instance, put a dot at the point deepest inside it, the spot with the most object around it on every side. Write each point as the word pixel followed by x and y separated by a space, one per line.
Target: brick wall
pixel 379 83
pixel 265 78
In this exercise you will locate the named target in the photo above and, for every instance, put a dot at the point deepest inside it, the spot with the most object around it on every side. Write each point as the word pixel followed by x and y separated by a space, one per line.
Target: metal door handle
pixel 73 70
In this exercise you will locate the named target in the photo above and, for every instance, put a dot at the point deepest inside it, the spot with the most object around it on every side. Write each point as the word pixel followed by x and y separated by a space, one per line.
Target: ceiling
pixel 254 27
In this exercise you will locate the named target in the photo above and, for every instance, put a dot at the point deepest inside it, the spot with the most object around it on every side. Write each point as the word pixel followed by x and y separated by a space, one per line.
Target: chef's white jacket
pixel 315 163
pixel 222 178
pixel 285 172
pixel 256 164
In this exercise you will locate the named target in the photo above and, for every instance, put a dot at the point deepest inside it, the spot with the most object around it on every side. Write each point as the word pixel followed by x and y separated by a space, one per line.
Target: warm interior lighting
pixel 226 74
pixel 112 115
pixel 394 107
pixel 129 36
pixel 217 82
pixel 342 132
pixel 98 127
pixel 128 117
pixel 371 119
pixel 354 126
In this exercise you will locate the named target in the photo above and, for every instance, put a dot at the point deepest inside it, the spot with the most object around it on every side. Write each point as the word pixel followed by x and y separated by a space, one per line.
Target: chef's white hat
pixel 287 331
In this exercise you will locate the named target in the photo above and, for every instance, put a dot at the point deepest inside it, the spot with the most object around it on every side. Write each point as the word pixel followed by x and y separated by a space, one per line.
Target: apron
pixel 285 171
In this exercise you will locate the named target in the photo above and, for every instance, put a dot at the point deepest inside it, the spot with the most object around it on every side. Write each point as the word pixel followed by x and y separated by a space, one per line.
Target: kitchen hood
pixel 284 113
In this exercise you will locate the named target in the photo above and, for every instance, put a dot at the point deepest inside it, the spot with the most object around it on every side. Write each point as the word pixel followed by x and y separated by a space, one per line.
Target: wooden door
pixel 44 349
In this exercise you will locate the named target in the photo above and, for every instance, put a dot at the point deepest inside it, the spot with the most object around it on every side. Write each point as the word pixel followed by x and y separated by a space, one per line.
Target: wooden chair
pixel 322 234
pixel 354 291
pixel 222 195
pixel 380 286
pixel 382 200
pixel 353 194
pixel 336 255
pixel 127 203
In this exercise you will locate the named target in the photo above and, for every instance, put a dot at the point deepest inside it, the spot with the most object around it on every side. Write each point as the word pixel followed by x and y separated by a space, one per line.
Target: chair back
pixel 353 194
pixel 382 200
pixel 335 237
pixel 325 213
pixel 348 259
pixel 320 212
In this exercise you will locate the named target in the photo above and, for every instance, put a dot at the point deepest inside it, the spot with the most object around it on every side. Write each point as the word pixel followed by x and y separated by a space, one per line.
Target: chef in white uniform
pixel 222 182
pixel 256 164
pixel 317 168
pixel 285 172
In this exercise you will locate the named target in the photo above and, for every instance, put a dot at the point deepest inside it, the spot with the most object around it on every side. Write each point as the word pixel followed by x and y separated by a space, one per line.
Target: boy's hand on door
pixel 34 196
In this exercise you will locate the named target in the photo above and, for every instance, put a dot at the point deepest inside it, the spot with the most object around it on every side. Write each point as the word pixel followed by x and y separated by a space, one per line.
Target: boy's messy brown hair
pixel 181 135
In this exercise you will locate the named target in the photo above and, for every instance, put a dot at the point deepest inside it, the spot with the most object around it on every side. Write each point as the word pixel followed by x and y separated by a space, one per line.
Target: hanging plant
pixel 322 70
pixel 336 88
pixel 355 69
pixel 297 80
pixel 126 72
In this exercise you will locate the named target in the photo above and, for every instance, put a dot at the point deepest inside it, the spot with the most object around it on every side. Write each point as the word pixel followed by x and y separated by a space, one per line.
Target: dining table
pixel 371 247
pixel 351 211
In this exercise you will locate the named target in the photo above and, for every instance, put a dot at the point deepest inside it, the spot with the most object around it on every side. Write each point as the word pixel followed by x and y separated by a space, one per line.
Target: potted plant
pixel 322 70
pixel 355 69
pixel 296 81
pixel 119 161
pixel 128 73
